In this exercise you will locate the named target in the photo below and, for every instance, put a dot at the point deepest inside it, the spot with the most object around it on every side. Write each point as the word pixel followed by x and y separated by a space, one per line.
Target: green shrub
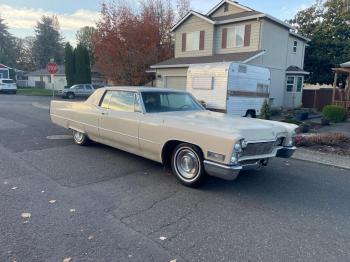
pixel 334 113
pixel 265 111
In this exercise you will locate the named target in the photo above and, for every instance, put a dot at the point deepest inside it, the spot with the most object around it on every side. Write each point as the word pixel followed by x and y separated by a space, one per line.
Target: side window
pixel 122 101
pixel 105 100
pixel 295 46
pixel 299 83
pixel 88 87
pixel 290 83
pixel 79 87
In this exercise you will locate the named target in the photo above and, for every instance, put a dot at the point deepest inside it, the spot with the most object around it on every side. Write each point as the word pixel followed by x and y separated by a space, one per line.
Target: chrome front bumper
pixel 222 171
pixel 229 172
pixel 286 152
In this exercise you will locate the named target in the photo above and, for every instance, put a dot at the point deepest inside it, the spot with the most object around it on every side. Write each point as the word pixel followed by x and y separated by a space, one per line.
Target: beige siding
pixel 193 24
pixel 231 10
pixel 254 39
pixel 162 74
pixel 295 59
pixel 275 42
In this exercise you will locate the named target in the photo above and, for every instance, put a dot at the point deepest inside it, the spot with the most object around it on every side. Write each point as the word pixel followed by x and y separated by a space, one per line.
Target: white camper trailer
pixel 235 88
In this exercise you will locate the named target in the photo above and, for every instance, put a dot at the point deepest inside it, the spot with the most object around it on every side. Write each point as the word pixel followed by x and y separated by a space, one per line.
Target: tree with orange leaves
pixel 127 41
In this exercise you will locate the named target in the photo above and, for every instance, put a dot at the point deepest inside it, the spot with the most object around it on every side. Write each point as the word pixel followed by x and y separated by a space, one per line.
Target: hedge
pixel 334 113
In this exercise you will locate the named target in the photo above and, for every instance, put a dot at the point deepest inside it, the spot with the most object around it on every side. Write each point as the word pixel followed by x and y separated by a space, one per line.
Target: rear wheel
pixel 187 165
pixel 80 138
pixel 250 114
pixel 70 95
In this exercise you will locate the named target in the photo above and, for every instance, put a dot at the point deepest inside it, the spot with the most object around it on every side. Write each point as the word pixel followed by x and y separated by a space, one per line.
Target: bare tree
pixel 182 8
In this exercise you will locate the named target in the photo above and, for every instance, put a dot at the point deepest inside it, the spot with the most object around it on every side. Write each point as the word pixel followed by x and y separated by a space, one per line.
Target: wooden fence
pixel 317 98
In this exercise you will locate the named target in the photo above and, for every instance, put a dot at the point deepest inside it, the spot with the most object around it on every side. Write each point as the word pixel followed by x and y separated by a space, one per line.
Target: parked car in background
pixel 80 90
pixel 8 86
pixel 171 127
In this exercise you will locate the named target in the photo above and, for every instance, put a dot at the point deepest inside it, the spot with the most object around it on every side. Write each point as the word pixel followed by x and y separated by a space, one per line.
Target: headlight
pixel 234 159
pixel 238 147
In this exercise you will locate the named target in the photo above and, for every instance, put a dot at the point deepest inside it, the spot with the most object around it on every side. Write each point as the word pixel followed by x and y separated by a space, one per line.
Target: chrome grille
pixel 262 148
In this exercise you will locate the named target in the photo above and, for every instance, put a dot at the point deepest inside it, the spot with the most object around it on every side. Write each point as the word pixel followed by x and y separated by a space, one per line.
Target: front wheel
pixel 70 96
pixel 187 165
pixel 80 138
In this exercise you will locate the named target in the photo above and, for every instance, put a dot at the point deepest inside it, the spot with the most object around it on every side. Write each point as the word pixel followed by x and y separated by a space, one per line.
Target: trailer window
pixel 202 83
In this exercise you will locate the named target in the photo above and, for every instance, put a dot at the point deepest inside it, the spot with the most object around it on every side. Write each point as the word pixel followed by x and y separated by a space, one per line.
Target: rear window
pixel 7 81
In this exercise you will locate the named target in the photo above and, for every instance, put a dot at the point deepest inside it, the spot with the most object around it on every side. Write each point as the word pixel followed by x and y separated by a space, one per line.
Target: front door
pixel 119 123
pixel 79 90
pixel 294 91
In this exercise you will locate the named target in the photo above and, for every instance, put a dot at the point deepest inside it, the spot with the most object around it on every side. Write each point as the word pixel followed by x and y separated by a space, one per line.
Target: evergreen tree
pixel 48 42
pixel 82 65
pixel 265 111
pixel 9 48
pixel 69 63
pixel 86 37
pixel 87 67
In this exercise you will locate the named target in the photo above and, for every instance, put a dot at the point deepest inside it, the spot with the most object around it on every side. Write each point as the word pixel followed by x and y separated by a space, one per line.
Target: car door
pixel 119 121
pixel 79 90
pixel 88 90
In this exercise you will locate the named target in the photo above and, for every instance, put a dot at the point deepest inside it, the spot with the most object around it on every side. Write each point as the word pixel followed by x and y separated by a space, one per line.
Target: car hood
pixel 223 124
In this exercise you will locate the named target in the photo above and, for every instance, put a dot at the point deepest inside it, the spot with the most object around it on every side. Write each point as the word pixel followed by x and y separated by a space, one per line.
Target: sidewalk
pixel 322 158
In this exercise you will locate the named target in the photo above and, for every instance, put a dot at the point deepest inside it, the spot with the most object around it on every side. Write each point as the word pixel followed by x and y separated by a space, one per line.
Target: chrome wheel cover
pixel 187 164
pixel 78 137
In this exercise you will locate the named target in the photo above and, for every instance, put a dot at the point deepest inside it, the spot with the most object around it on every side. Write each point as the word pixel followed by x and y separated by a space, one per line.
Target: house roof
pixel 190 13
pixel 296 70
pixel 347 64
pixel 187 61
pixel 4 66
pixel 228 2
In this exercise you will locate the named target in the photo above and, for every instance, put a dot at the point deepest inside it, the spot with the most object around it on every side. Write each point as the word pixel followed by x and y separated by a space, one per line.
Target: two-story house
pixel 233 32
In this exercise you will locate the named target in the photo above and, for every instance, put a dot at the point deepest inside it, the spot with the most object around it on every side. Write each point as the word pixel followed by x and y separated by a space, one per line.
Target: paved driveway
pixel 101 204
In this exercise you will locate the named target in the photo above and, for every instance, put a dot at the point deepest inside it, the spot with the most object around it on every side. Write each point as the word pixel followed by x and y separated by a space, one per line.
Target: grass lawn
pixel 34 92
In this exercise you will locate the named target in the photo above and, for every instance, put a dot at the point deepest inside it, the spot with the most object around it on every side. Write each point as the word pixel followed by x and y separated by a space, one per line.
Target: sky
pixel 21 15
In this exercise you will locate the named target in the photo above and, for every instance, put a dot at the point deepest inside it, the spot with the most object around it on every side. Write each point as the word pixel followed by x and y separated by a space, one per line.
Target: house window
pixel 235 36
pixel 295 46
pixel 299 83
pixel 226 7
pixel 192 41
pixel 290 83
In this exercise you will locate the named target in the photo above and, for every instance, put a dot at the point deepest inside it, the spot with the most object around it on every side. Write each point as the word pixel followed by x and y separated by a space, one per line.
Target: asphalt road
pixel 100 204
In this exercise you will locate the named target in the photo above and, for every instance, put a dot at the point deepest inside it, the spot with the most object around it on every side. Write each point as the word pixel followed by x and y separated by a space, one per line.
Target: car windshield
pixel 156 102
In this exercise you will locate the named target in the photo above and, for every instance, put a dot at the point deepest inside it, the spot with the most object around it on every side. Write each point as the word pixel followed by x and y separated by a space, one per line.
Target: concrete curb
pixel 333 160
pixel 41 106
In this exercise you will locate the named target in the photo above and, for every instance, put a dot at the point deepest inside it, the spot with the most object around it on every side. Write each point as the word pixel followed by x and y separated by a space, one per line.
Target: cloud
pixel 26 18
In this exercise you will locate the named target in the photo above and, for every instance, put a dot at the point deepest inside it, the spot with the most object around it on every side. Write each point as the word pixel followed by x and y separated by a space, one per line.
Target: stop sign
pixel 52 68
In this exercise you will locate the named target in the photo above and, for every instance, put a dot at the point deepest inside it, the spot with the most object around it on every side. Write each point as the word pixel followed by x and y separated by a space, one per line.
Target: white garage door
pixel 176 82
